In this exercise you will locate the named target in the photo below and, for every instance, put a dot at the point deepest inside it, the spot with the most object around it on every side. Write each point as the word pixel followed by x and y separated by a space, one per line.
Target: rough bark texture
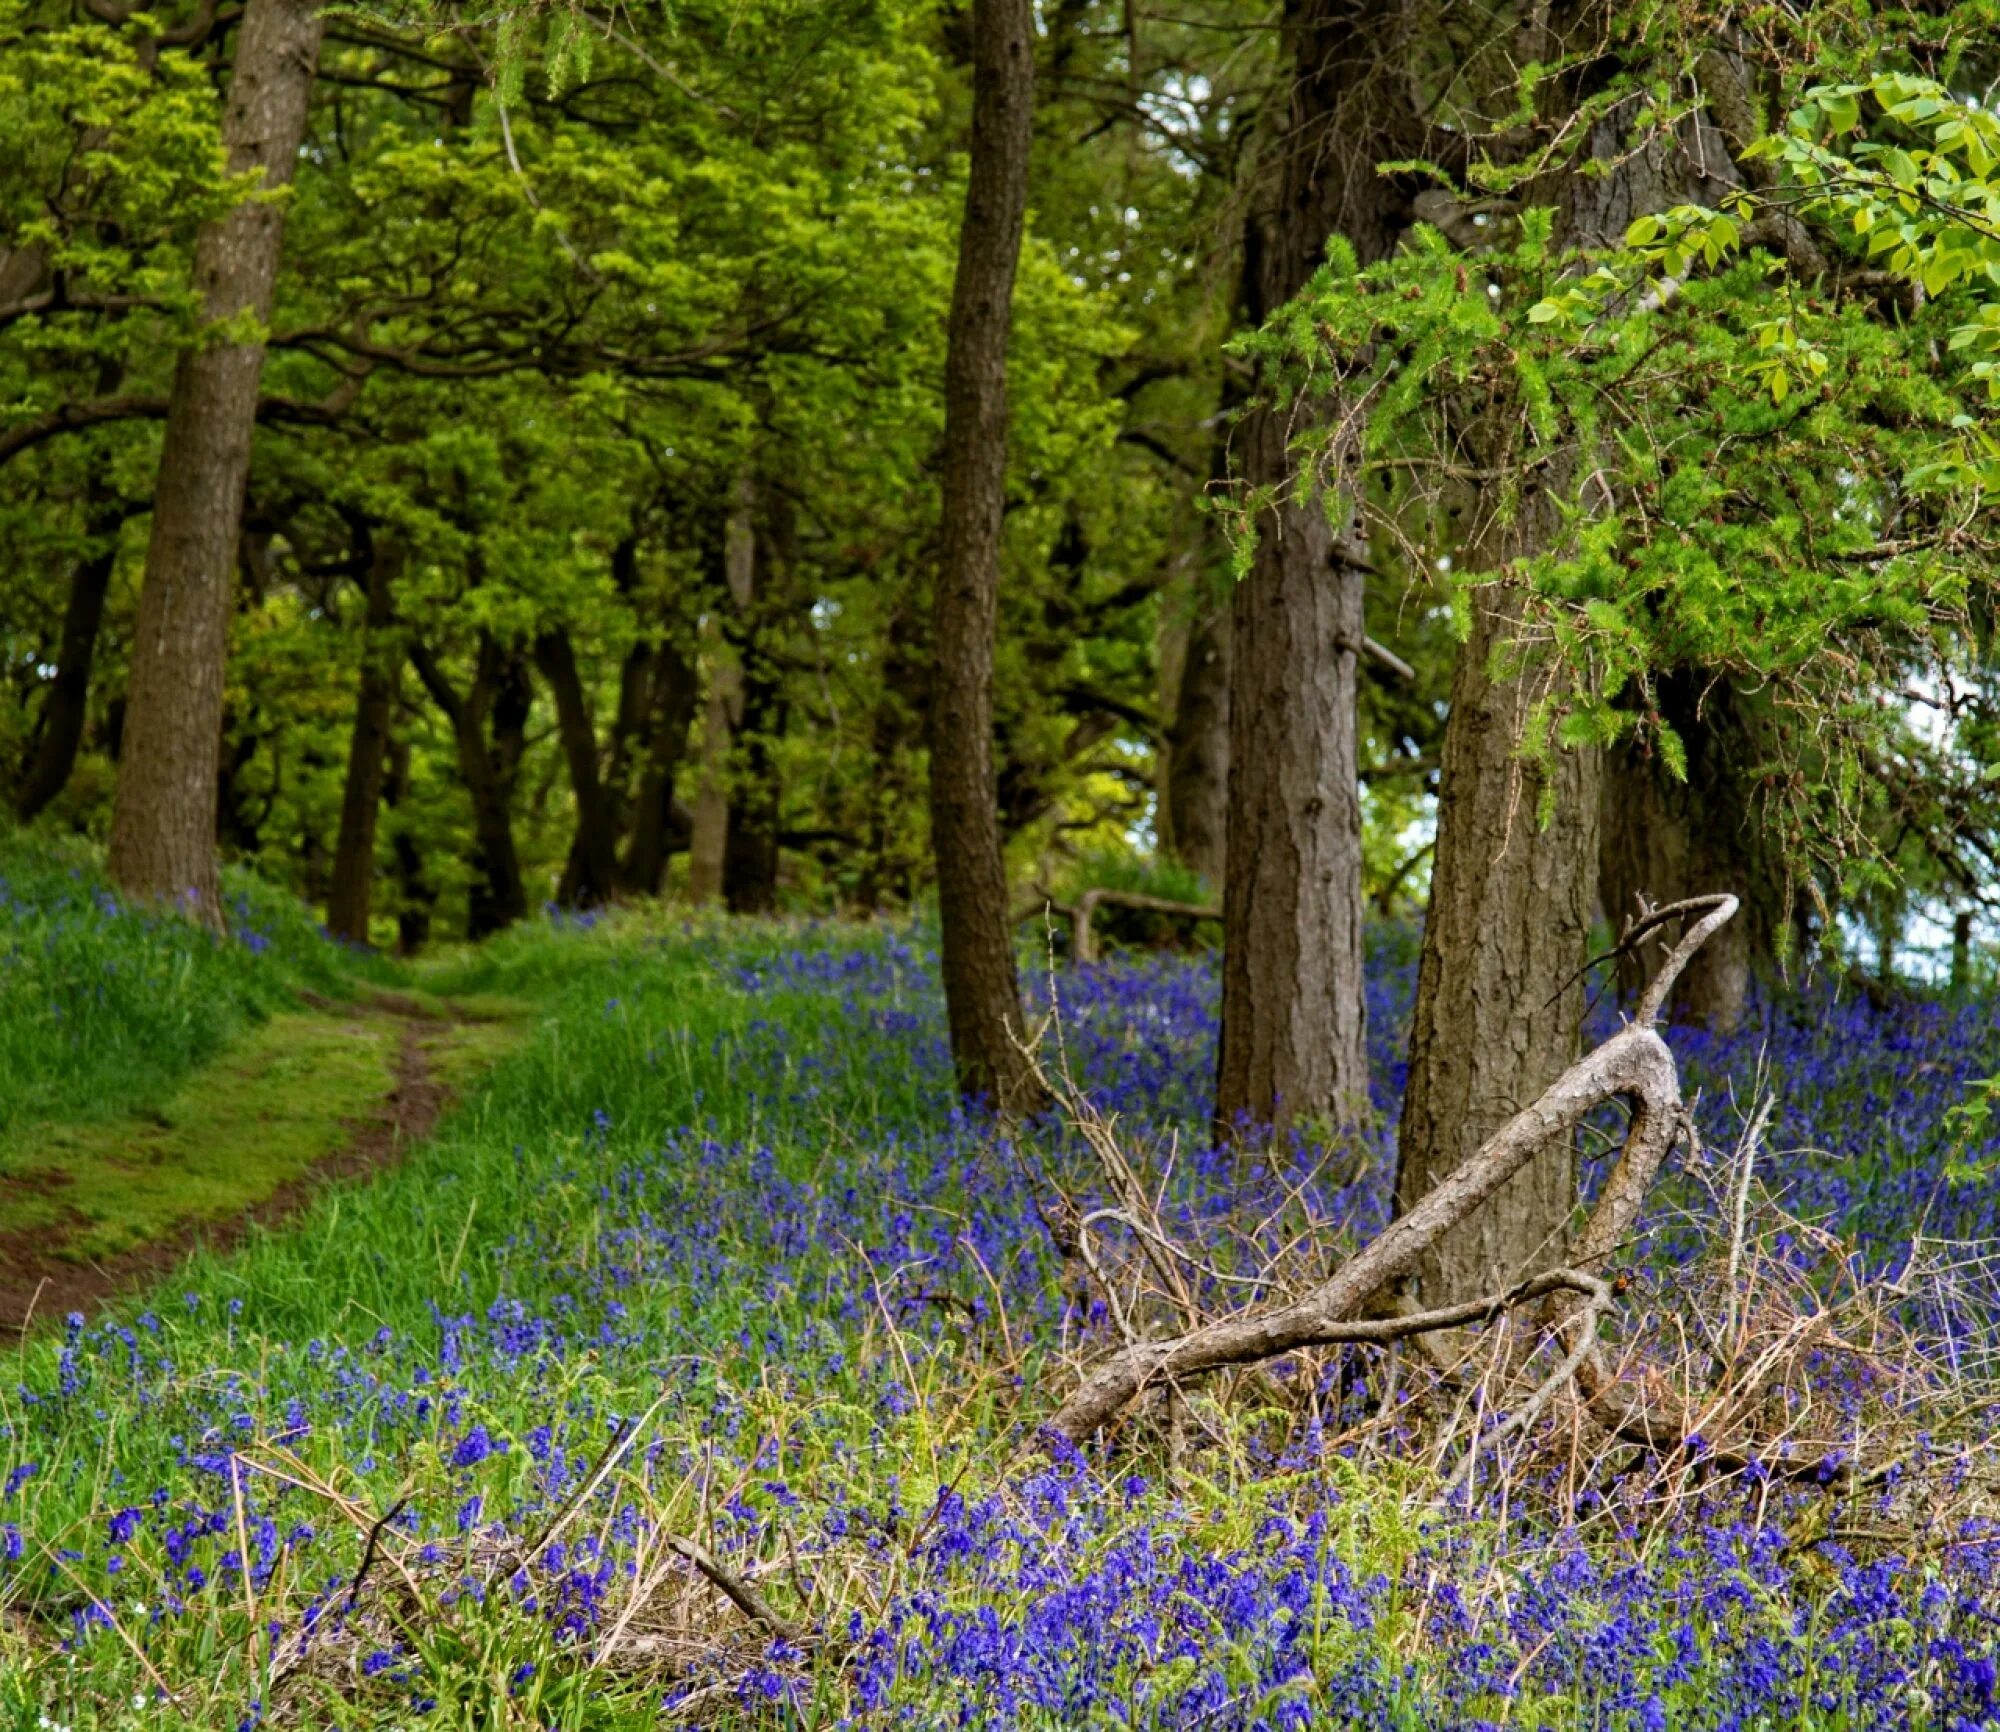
pixel 982 995
pixel 1499 995
pixel 1194 792
pixel 1509 923
pixel 350 900
pixel 596 849
pixel 1665 838
pixel 708 842
pixel 66 704
pixel 164 812
pixel 1293 1023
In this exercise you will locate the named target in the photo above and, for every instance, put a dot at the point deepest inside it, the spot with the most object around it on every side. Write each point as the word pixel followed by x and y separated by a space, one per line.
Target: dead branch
pixel 739 1592
pixel 1635 1063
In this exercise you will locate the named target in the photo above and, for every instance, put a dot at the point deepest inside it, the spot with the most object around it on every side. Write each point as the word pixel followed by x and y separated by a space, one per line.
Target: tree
pixel 982 995
pixel 1293 1018
pixel 350 900
pixel 1598 424
pixel 163 820
pixel 1499 1008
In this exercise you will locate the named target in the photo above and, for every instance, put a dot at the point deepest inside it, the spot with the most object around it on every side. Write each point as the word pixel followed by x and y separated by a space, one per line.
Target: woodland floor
pixel 330 1092
pixel 704 1261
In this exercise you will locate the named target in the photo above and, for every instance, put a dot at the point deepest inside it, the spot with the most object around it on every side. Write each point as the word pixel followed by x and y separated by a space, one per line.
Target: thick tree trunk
pixel 708 840
pixel 596 848
pixel 982 995
pixel 1499 988
pixel 1499 984
pixel 66 704
pixel 163 818
pixel 350 901
pixel 1667 839
pixel 1293 1023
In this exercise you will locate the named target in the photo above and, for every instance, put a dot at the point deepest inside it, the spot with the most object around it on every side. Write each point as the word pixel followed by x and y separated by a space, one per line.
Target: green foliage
pixel 1782 483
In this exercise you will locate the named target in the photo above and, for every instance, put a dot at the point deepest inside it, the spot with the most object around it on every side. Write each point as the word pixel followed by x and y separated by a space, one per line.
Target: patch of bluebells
pixel 1068 1592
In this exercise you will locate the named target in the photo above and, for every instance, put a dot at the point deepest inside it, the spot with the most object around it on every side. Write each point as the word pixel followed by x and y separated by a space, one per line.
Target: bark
pixel 657 823
pixel 415 894
pixel 1194 789
pixel 163 819
pixel 1499 988
pixel 596 848
pixel 1665 838
pixel 350 901
pixel 1293 1021
pixel 65 705
pixel 982 995
pixel 750 848
pixel 635 685
pixel 1499 991
pixel 1634 1064
pixel 708 842
pixel 498 700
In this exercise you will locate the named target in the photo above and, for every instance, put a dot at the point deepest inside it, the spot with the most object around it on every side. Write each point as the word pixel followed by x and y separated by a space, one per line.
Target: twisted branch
pixel 1635 1062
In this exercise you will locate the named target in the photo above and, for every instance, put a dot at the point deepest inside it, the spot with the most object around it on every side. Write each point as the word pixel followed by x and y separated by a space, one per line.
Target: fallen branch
pixel 739 1592
pixel 1635 1063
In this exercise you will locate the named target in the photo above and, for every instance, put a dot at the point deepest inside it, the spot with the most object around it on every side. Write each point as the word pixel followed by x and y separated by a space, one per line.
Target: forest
pixel 1022 863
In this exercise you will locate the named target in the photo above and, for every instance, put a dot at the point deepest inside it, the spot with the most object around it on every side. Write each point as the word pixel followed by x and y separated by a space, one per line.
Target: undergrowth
pixel 713 1260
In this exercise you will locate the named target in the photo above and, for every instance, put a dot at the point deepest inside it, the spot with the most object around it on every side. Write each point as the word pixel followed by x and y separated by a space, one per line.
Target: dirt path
pixel 38 1283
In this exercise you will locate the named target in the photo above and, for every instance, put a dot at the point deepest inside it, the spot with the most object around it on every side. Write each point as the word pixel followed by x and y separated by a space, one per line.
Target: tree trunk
pixel 1194 790
pixel 66 704
pixel 1293 1023
pixel 1665 839
pixel 1499 983
pixel 1499 988
pixel 351 898
pixel 500 697
pixel 708 842
pixel 415 894
pixel 750 849
pixel 163 817
pixel 596 812
pixel 654 824
pixel 982 995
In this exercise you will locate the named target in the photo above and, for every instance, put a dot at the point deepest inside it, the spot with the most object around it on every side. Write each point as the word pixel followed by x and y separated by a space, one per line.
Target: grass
pixel 104 1008
pixel 160 1077
pixel 228 1136
pixel 709 1252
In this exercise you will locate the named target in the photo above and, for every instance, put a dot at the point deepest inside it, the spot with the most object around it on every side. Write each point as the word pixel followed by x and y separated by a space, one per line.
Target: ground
pixel 703 1263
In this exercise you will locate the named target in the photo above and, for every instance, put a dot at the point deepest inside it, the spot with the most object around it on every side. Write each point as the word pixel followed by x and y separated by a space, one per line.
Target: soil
pixel 39 1284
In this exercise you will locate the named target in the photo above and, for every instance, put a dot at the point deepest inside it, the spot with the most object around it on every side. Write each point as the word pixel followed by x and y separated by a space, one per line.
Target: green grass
pixel 103 1009
pixel 156 1076
pixel 228 1136
pixel 235 1130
